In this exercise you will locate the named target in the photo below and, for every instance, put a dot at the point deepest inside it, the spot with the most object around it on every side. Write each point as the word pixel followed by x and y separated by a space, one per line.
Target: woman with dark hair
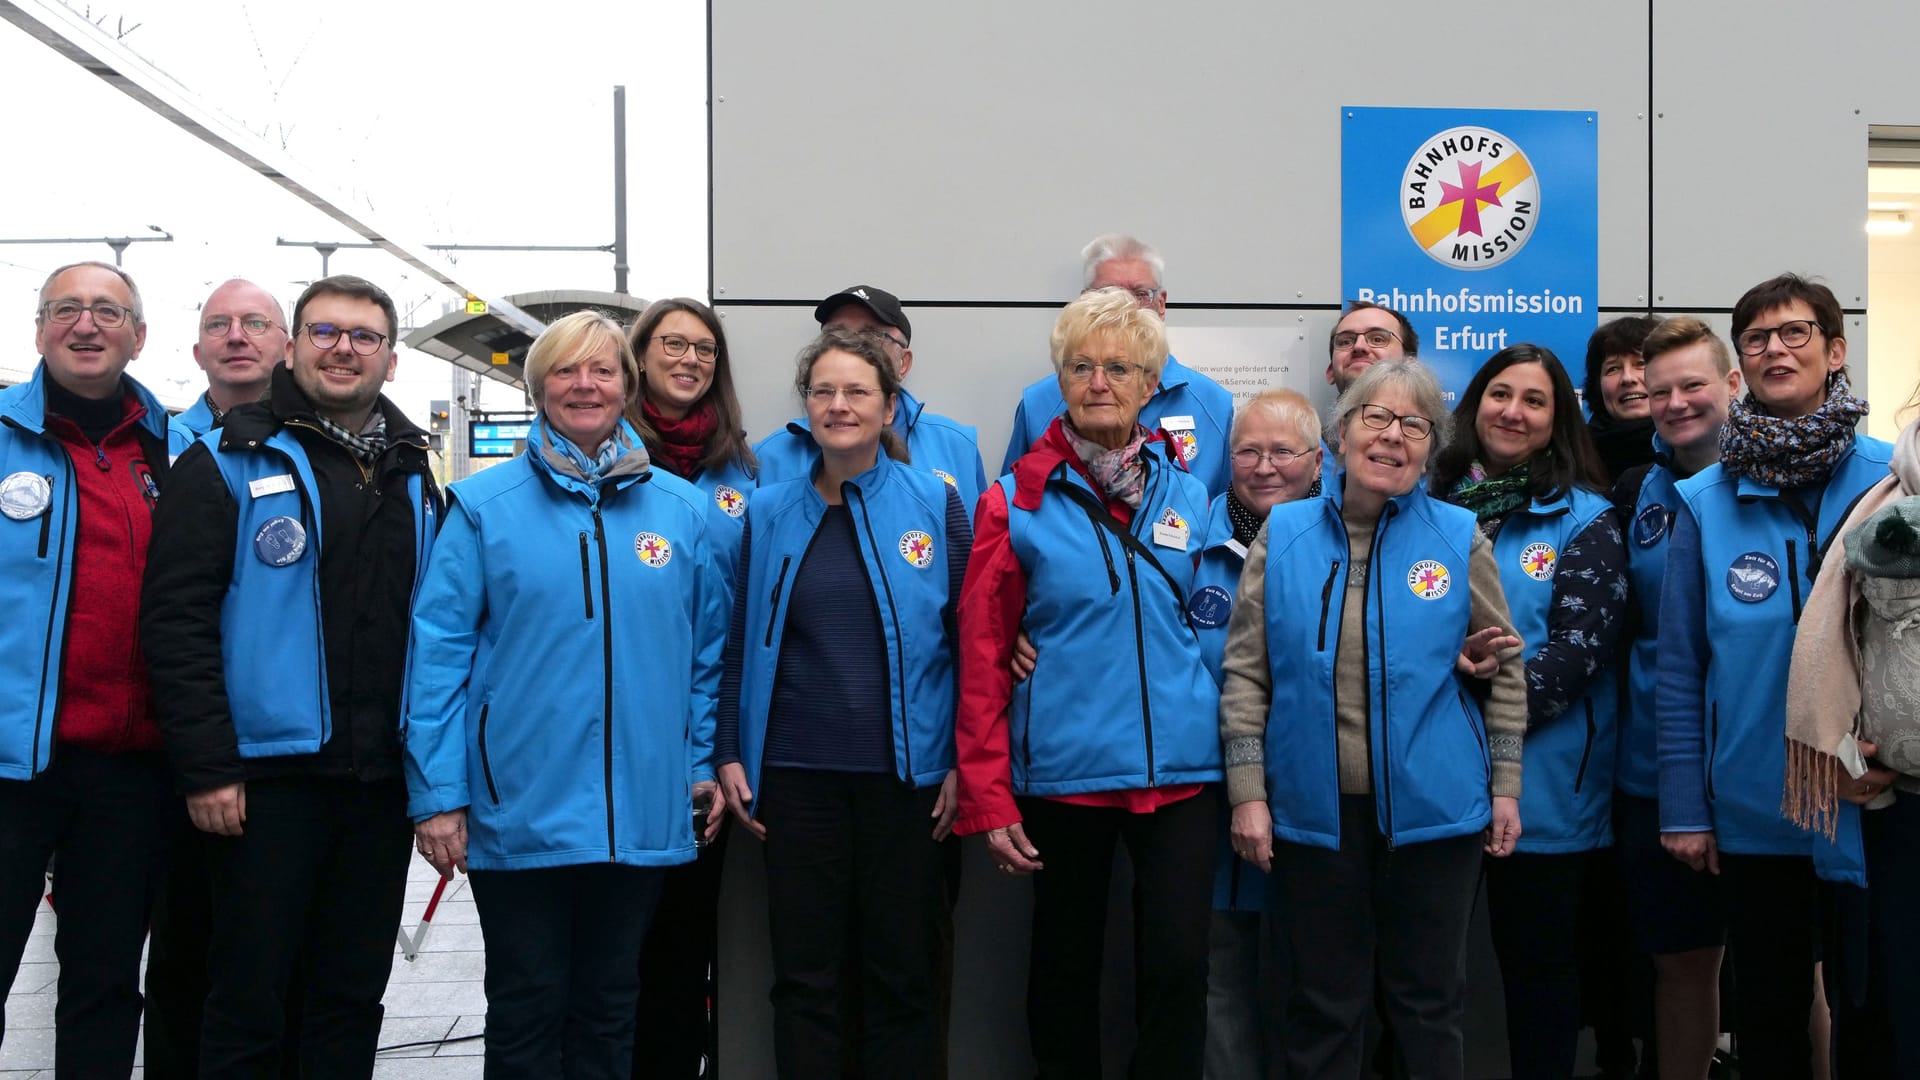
pixel 1615 390
pixel 836 719
pixel 1523 462
pixel 688 417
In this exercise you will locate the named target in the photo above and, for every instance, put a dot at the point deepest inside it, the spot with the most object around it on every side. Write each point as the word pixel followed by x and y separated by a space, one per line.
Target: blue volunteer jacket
pixel 1120 698
pixel 1650 526
pixel 900 515
pixel 1431 767
pixel 1566 800
pixel 566 663
pixel 1196 411
pixel 938 444
pixel 1754 569
pixel 37 552
pixel 277 681
pixel 730 488
pixel 185 429
pixel 1238 885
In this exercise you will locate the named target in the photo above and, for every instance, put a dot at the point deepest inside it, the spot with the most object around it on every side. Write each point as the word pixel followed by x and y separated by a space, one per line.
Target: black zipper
pixel 1113 578
pixel 1586 754
pixel 1380 620
pixel 49 671
pixel 486 766
pixel 1334 689
pixel 46 519
pixel 1026 733
pixel 586 575
pixel 1326 603
pixel 1713 745
pixel 893 612
pixel 1140 655
pixel 773 609
pixel 1793 580
pixel 606 665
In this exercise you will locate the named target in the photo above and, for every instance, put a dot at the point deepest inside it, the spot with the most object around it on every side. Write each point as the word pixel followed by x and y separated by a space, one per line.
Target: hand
pixel 1697 849
pixel 1480 655
pixel 946 808
pixel 1503 833
pixel 442 839
pixel 716 806
pixel 1009 847
pixel 1871 784
pixel 734 793
pixel 1024 657
pixel 219 811
pixel 1253 833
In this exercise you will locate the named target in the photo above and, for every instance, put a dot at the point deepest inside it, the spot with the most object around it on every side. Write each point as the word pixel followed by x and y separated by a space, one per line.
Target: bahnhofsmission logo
pixel 1470 198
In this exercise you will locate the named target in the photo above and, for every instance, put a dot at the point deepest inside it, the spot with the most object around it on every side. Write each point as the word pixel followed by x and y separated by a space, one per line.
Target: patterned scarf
pixel 366 446
pixel 1119 474
pixel 1791 453
pixel 590 467
pixel 1491 498
pixel 1246 523
pixel 683 443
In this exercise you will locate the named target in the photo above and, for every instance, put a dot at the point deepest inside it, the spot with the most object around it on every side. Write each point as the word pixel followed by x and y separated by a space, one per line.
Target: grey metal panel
pixel 966 152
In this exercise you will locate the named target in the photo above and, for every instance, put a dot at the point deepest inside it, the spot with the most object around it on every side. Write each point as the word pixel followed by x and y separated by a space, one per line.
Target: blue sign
pixel 496 439
pixel 1481 226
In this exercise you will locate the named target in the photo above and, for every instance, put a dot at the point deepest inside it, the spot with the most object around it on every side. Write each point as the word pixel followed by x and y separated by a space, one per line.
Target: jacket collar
pixel 1174 376
pixel 633 465
pixel 868 483
pixel 1746 487
pixel 25 404
pixel 1053 451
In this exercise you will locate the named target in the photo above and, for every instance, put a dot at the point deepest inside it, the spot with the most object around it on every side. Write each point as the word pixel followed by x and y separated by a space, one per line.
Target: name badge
pixel 1177 423
pixel 1237 548
pixel 270 485
pixel 1171 536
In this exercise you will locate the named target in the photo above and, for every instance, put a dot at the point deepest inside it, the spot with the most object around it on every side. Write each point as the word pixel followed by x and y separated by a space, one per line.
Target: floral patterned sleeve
pixel 1585 621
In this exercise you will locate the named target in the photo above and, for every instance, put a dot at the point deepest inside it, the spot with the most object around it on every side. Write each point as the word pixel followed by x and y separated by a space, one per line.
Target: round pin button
pixel 280 542
pixel 25 496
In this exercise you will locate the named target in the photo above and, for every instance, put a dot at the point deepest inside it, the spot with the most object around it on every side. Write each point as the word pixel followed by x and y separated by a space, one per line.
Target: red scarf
pixel 682 444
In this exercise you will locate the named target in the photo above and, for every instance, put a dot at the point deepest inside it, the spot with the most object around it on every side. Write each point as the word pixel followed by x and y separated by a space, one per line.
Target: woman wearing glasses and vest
pixel 688 416
pixel 1364 766
pixel 1521 460
pixel 836 718
pixel 1090 545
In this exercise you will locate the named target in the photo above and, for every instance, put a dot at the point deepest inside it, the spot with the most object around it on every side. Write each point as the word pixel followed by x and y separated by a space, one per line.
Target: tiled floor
pixel 435 1000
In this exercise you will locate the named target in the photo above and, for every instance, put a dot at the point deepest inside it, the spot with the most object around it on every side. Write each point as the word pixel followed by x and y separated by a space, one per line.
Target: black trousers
pixel 675 1031
pixel 1873 973
pixel 1770 936
pixel 1366 916
pixel 561 980
pixel 315 882
pixel 850 853
pixel 1533 904
pixel 1172 852
pixel 107 817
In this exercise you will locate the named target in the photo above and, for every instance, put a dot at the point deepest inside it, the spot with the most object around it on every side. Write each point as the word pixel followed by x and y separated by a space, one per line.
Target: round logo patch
pixel 1171 517
pixel 1651 525
pixel 1429 580
pixel 1753 577
pixel 1189 445
pixel 947 476
pixel 1538 560
pixel 654 550
pixel 730 500
pixel 1470 198
pixel 280 542
pixel 25 496
pixel 1210 607
pixel 917 548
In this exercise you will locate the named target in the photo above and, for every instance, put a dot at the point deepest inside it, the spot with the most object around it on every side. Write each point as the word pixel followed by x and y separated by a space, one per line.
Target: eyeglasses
pixel 1141 294
pixel 106 315
pixel 856 395
pixel 1380 418
pixel 326 336
pixel 1118 373
pixel 254 325
pixel 1250 459
pixel 1378 338
pixel 871 331
pixel 1793 334
pixel 676 346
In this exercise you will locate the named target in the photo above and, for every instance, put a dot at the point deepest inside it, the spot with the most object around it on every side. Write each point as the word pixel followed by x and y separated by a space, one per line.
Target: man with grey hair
pixel 243 337
pixel 83 454
pixel 1191 408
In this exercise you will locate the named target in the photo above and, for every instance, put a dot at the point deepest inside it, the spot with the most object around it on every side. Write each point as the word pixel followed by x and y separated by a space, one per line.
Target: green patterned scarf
pixel 1491 498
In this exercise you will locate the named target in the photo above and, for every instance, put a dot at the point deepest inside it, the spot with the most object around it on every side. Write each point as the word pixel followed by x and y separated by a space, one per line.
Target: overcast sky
pixel 478 123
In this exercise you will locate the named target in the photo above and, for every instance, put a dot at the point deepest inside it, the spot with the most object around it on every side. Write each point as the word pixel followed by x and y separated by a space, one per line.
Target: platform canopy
pixel 497 347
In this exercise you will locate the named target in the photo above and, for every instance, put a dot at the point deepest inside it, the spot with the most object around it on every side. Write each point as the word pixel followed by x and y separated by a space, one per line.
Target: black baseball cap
pixel 884 305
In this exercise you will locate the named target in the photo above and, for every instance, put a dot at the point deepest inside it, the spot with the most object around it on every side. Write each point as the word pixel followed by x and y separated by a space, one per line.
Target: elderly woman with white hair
pixel 1090 544
pixel 567 644
pixel 1364 767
